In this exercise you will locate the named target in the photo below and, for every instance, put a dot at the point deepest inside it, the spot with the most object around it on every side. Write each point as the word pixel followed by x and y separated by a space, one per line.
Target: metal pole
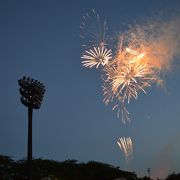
pixel 29 153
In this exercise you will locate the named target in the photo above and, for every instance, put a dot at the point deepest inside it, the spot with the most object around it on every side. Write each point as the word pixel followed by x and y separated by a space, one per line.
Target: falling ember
pixel 126 147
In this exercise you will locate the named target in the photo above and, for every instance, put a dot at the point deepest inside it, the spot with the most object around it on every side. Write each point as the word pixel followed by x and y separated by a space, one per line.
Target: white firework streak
pixel 96 56
pixel 126 147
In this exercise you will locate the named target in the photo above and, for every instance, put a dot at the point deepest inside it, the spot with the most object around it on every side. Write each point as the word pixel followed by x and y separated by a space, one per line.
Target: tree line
pixel 44 169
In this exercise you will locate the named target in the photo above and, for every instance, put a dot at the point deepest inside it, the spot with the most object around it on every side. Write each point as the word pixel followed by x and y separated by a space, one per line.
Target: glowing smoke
pixel 164 161
pixel 160 38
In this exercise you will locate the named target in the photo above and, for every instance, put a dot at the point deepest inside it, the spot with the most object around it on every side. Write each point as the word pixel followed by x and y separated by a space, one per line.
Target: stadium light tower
pixel 32 92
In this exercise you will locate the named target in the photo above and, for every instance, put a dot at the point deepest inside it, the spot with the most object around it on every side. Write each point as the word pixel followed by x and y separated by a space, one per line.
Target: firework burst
pixel 130 75
pixel 125 76
pixel 131 69
pixel 96 56
pixel 93 31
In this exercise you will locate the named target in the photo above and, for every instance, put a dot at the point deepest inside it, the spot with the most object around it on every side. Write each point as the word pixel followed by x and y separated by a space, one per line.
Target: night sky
pixel 40 39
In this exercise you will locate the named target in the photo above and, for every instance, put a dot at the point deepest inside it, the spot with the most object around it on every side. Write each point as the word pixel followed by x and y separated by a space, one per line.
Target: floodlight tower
pixel 32 92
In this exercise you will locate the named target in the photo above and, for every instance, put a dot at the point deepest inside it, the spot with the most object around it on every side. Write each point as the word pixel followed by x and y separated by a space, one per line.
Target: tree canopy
pixel 44 169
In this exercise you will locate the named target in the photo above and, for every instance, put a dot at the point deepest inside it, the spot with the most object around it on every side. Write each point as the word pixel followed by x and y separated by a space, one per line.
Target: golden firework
pixel 127 74
pixel 134 63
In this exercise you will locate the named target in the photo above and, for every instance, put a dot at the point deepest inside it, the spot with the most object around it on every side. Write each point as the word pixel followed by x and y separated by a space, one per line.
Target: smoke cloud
pixel 159 39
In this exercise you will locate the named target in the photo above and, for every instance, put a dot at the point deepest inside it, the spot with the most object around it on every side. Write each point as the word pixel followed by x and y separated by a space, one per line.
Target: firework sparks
pixel 127 79
pixel 96 56
pixel 93 31
pixel 126 147
pixel 142 53
pixel 125 76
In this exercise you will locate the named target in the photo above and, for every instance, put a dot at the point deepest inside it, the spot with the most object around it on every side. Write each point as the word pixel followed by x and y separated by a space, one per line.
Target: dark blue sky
pixel 40 39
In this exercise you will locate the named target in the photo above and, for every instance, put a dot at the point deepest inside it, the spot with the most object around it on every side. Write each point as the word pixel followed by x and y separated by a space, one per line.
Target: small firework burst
pixel 96 56
pixel 126 147
pixel 93 30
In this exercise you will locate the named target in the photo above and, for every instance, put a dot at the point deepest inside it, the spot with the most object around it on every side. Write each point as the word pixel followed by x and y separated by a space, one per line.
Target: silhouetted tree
pixel 173 177
pixel 67 170
pixel 144 178
pixel 6 167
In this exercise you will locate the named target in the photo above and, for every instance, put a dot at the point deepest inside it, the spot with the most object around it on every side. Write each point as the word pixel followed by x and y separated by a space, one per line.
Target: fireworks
pixel 125 76
pixel 128 72
pixel 93 31
pixel 126 147
pixel 96 56
pixel 133 64
pixel 128 78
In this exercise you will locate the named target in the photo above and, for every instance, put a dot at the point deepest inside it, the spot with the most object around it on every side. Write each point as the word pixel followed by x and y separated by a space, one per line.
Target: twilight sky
pixel 40 39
